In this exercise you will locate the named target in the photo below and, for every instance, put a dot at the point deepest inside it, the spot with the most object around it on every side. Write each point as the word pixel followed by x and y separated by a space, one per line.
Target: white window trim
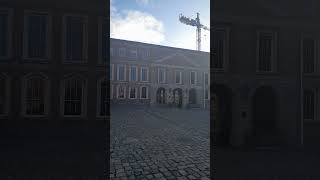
pixel 314 107
pixel 165 75
pixel 175 77
pixel 205 94
pixel 147 79
pixel 136 73
pixel 24 95
pixel 145 53
pixel 100 37
pixel 84 97
pixel 136 93
pixel 8 11
pixel 25 34
pixel 85 39
pixel 7 94
pixel 303 36
pixel 99 95
pixel 124 94
pixel 147 92
pixel 273 51
pixel 112 71
pixel 195 77
pixel 124 51
pixel 133 49
pixel 204 78
pixel 118 72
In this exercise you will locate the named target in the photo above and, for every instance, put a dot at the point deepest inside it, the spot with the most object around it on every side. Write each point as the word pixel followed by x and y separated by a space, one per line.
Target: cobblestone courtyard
pixel 159 143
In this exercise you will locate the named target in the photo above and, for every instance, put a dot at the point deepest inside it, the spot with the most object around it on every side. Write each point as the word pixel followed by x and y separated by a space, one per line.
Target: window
pixel 132 93
pixel 111 71
pixel 133 52
pixel 111 91
pixel 75 38
pixel 206 94
pixel 73 96
pixel 308 55
pixel 4 34
pixel 122 52
pixel 121 93
pixel 193 77
pixel 144 93
pixel 145 53
pixel 111 51
pixel 308 105
pixel 161 75
pixel 121 73
pixel 103 101
pixel 36 36
pixel 35 96
pixel 2 95
pixel 105 41
pixel 265 51
pixel 178 77
pixel 133 73
pixel 219 38
pixel 206 78
pixel 144 74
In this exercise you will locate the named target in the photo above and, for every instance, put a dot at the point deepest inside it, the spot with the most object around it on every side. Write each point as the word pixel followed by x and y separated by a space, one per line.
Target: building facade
pixel 265 73
pixel 156 75
pixel 53 61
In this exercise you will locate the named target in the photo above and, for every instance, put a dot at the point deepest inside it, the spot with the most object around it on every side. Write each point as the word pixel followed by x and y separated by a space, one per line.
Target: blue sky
pixel 157 22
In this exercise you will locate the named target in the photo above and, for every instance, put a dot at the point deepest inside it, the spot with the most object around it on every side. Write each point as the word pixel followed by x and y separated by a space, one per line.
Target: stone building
pixel 265 74
pixel 149 74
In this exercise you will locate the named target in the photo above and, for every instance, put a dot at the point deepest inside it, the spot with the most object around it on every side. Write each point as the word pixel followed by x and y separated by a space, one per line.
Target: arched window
pixel 144 93
pixel 103 97
pixel 35 95
pixel 74 96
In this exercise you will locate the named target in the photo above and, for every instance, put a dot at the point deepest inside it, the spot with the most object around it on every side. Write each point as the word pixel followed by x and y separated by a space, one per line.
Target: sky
pixel 157 22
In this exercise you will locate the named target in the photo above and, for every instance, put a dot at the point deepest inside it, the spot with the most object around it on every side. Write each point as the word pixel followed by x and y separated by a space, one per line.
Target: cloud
pixel 136 26
pixel 143 2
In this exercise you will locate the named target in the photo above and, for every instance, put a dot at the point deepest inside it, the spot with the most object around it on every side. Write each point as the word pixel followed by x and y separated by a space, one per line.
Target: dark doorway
pixel 177 97
pixel 221 114
pixel 192 96
pixel 161 96
pixel 264 117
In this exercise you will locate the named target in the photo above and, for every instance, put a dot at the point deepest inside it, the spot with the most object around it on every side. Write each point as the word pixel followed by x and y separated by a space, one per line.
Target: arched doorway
pixel 264 117
pixel 192 96
pixel 177 97
pixel 161 96
pixel 222 114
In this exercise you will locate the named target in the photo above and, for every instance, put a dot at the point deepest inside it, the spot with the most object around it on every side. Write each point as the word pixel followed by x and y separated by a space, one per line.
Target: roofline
pixel 161 46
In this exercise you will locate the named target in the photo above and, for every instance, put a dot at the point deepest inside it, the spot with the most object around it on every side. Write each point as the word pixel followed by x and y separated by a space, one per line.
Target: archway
pixel 161 96
pixel 264 117
pixel 192 96
pixel 222 114
pixel 177 97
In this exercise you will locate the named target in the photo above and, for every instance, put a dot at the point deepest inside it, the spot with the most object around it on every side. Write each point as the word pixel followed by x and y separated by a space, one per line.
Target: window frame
pixel 118 72
pixel 225 45
pixel 83 98
pixel 85 39
pixel 25 52
pixel 100 41
pixel 9 49
pixel 124 52
pixel 147 73
pixel 195 78
pixel 314 93
pixel 136 92
pixel 315 43
pixel 165 75
pixel 133 66
pixel 175 76
pixel 147 92
pixel 274 45
pixel 124 94
pixel 46 94
pixel 100 80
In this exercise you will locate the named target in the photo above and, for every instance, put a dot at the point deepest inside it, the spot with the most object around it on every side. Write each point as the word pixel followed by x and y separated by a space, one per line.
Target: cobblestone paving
pixel 159 143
